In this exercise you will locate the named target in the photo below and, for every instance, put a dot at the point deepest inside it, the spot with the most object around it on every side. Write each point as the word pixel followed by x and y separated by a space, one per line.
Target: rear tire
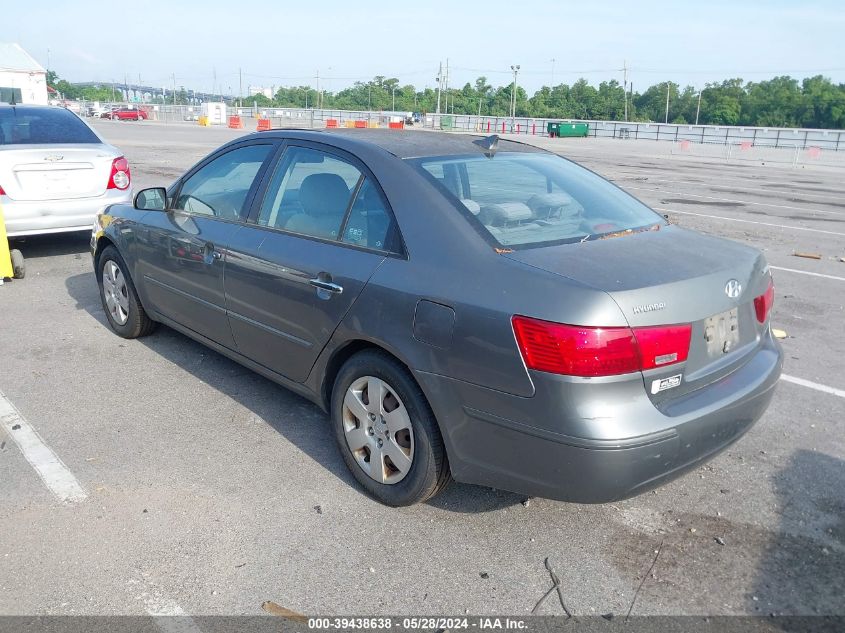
pixel 401 422
pixel 120 301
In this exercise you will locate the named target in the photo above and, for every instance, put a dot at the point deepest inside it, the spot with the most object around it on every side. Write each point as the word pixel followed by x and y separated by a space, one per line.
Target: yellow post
pixel 6 269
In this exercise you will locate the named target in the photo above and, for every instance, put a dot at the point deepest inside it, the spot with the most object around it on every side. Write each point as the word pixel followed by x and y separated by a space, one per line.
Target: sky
pixel 205 44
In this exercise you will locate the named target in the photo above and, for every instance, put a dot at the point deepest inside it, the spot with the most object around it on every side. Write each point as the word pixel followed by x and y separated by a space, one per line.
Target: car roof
pixel 403 143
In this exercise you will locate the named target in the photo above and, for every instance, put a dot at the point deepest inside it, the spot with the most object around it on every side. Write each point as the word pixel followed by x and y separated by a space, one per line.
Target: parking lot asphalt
pixel 206 489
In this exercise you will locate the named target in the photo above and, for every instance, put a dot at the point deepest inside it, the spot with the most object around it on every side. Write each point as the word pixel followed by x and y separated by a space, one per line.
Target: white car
pixel 56 173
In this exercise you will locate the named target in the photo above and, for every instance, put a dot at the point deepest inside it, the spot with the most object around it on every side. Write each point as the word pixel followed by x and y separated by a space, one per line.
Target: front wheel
pixel 386 431
pixel 124 311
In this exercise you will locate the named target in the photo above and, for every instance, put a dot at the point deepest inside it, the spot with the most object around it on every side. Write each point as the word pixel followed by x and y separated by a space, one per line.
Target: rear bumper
pixel 496 446
pixel 57 216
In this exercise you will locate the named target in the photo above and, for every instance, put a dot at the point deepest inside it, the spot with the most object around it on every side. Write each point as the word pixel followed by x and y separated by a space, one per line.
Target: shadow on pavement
pixel 301 422
pixel 36 246
pixel 802 569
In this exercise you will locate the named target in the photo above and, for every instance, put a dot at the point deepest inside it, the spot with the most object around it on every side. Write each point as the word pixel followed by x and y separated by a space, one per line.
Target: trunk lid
pixel 54 172
pixel 673 276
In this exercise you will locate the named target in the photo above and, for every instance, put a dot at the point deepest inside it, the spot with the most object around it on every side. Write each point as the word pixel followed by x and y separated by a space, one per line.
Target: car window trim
pixel 253 189
pixel 366 174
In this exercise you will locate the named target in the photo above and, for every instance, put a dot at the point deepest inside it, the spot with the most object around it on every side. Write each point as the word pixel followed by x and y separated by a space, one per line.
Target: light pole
pixel 553 72
pixel 698 107
pixel 515 70
pixel 394 98
pixel 668 84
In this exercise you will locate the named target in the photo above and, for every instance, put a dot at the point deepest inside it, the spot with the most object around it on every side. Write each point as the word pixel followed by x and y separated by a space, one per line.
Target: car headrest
pixel 323 194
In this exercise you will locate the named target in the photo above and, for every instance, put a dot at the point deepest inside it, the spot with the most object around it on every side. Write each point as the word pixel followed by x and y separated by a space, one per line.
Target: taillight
pixel 763 304
pixel 2 193
pixel 575 350
pixel 119 178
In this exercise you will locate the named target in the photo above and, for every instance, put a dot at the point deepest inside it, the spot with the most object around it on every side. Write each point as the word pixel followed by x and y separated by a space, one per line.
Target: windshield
pixel 523 200
pixel 32 126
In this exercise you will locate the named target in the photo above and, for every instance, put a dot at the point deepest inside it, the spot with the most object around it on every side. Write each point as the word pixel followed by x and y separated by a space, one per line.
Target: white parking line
pixel 807 272
pixel 738 184
pixel 813 385
pixel 169 616
pixel 46 463
pixel 721 217
pixel 733 200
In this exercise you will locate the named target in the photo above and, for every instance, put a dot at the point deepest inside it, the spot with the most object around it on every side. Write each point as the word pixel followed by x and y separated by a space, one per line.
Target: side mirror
pixel 152 199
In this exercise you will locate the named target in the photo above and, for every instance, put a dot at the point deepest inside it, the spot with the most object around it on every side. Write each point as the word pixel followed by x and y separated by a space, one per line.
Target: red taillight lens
pixel 576 350
pixel 120 177
pixel 2 193
pixel 663 345
pixel 763 304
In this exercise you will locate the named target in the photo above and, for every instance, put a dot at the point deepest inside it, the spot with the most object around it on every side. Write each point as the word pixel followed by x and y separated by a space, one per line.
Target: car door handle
pixel 322 284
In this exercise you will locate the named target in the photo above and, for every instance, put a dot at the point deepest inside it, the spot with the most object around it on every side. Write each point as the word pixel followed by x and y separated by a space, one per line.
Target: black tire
pixel 137 322
pixel 18 265
pixel 429 471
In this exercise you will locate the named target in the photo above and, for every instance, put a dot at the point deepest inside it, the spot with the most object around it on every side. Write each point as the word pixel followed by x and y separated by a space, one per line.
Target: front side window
pixel 523 200
pixel 309 193
pixel 220 188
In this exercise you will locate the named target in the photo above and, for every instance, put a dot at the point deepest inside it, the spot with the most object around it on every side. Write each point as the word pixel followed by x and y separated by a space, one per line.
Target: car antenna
pixel 489 143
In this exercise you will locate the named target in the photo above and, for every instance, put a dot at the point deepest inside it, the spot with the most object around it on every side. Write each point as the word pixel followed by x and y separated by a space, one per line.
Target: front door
pixel 319 234
pixel 182 253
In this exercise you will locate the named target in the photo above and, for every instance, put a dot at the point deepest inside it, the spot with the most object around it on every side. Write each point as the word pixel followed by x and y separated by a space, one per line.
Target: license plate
pixel 721 332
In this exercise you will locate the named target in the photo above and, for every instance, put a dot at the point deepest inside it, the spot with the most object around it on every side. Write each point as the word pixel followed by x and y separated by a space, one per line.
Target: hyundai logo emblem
pixel 733 288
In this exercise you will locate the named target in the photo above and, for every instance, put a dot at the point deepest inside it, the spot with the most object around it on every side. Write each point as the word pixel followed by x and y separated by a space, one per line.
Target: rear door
pixel 182 252
pixel 319 232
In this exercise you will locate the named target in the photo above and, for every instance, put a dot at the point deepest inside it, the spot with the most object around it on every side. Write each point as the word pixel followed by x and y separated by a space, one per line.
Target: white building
pixel 260 90
pixel 19 70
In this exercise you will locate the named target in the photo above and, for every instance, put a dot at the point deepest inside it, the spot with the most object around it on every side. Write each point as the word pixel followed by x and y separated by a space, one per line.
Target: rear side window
pixel 30 126
pixel 369 224
pixel 522 200
pixel 309 193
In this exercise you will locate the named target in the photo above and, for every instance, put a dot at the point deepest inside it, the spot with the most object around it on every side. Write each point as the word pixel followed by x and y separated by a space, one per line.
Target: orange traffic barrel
pixel 263 125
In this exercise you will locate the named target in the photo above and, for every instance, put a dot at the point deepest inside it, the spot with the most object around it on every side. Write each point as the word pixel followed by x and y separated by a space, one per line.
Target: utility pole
pixel 668 84
pixel 439 85
pixel 48 59
pixel 625 86
pixel 240 88
pixel 174 88
pixel 394 98
pixel 446 82
pixel 553 72
pixel 319 93
pixel 515 70
pixel 698 107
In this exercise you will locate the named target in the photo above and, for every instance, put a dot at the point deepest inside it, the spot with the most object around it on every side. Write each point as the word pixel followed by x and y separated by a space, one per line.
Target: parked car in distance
pixel 56 173
pixel 463 307
pixel 125 114
pixel 96 110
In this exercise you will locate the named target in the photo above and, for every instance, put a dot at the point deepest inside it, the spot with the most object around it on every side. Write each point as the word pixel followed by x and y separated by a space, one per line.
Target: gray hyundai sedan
pixel 463 307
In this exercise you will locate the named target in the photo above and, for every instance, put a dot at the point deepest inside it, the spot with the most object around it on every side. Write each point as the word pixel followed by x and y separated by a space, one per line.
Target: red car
pixel 125 114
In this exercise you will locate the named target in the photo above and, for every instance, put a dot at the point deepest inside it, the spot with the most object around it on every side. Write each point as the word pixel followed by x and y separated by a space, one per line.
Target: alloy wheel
pixel 115 292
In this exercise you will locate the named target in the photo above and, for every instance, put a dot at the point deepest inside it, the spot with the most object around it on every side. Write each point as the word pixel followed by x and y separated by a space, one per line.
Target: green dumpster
pixel 446 122
pixel 552 128
pixel 573 129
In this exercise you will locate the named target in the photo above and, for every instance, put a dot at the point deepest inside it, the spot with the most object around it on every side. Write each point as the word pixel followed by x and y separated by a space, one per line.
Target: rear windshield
pixel 31 126
pixel 522 200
